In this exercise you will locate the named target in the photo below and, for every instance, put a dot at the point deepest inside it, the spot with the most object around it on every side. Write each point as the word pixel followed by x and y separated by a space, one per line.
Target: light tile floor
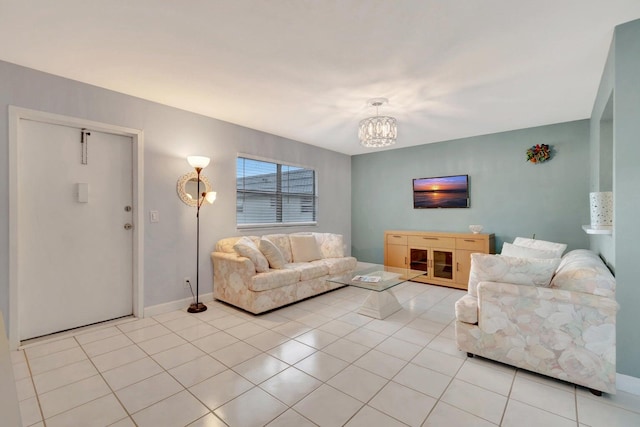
pixel 316 362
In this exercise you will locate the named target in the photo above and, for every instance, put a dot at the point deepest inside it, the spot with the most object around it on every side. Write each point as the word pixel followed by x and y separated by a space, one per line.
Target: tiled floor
pixel 317 362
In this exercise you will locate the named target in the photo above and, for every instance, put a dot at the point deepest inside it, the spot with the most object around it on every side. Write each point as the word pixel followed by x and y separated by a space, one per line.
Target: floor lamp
pixel 199 163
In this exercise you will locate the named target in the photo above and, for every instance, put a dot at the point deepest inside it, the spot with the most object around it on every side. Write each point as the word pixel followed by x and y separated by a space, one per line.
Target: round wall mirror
pixel 188 188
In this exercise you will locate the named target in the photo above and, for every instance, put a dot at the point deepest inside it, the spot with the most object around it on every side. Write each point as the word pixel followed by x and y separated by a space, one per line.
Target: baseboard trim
pixel 183 303
pixel 628 384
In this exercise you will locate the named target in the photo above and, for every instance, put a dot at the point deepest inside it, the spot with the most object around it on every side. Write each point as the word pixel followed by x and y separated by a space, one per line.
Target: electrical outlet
pixel 186 282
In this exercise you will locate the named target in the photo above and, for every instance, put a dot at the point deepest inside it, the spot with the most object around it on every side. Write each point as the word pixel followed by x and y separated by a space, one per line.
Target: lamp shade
pixel 210 197
pixel 198 161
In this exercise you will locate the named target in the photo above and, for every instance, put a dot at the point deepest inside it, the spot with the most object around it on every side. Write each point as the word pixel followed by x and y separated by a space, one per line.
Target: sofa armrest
pixel 543 319
pixel 225 264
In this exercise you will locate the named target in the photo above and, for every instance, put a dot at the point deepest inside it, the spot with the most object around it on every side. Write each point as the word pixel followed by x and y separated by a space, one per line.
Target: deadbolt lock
pixel 128 226
pixel 127 208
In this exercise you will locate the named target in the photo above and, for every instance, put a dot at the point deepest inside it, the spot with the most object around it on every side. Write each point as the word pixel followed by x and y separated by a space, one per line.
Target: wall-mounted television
pixel 441 192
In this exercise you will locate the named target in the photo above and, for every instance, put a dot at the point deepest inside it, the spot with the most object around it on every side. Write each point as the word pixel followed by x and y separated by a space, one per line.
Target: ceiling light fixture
pixel 377 131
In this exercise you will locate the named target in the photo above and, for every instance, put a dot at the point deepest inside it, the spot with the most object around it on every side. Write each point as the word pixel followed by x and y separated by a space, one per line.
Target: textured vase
pixel 601 209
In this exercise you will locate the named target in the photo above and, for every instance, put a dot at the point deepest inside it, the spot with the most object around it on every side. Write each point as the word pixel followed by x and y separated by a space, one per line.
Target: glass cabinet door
pixel 442 264
pixel 419 259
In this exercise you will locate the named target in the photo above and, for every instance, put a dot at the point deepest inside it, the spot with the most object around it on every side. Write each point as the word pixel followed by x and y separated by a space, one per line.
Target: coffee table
pixel 379 279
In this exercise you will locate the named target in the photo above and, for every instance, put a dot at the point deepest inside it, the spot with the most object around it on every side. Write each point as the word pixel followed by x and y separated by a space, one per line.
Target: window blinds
pixel 269 193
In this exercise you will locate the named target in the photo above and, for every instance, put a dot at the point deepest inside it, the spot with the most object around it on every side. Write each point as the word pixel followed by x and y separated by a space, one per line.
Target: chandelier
pixel 377 131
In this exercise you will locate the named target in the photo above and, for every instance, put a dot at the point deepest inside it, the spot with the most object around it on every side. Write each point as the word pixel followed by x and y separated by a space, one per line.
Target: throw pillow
pixel 272 253
pixel 304 248
pixel 558 248
pixel 331 245
pixel 524 252
pixel 505 269
pixel 246 248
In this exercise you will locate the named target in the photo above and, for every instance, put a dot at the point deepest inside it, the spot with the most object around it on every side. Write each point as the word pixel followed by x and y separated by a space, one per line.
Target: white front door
pixel 75 247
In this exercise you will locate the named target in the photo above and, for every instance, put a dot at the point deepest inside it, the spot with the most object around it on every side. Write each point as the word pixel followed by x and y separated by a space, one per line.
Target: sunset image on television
pixel 441 192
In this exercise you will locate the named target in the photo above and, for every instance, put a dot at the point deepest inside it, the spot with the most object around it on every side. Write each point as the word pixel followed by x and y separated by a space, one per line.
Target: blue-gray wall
pixel 170 135
pixel 510 197
pixel 621 84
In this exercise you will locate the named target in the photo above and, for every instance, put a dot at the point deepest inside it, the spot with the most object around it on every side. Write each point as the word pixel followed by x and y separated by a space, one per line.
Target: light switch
pixel 83 192
pixel 154 216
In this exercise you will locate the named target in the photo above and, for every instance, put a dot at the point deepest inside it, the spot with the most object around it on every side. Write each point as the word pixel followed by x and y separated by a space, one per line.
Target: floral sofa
pixel 259 274
pixel 564 328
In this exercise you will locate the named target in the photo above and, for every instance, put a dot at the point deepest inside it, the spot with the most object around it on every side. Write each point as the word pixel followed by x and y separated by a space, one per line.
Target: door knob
pixel 128 226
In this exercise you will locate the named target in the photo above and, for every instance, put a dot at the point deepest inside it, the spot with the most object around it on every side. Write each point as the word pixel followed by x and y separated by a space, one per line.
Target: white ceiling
pixel 304 69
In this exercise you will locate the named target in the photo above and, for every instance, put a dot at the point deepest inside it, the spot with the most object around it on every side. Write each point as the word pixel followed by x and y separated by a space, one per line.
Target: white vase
pixel 601 204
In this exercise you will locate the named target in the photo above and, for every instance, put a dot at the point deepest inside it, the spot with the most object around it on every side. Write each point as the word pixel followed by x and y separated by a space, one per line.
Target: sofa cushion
pixel 272 253
pixel 467 309
pixel 308 270
pixel 247 248
pixel 582 270
pixel 519 271
pixel 339 265
pixel 558 248
pixel 331 245
pixel 282 242
pixel 226 244
pixel 524 252
pixel 304 248
pixel 273 279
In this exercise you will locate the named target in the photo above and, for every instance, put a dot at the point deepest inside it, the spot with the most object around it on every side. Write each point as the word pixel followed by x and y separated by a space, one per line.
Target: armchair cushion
pixel 519 271
pixel 558 248
pixel 308 270
pixel 282 243
pixel 273 279
pixel 583 271
pixel 246 248
pixel 331 245
pixel 272 253
pixel 524 252
pixel 340 265
pixel 304 248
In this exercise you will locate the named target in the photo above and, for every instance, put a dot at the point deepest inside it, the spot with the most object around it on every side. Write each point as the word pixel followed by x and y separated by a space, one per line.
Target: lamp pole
pixel 198 307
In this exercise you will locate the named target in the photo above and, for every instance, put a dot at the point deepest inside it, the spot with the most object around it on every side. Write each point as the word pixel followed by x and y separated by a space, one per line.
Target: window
pixel 269 194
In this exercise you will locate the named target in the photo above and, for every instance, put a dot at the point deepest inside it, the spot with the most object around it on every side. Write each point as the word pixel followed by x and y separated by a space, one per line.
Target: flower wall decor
pixel 538 153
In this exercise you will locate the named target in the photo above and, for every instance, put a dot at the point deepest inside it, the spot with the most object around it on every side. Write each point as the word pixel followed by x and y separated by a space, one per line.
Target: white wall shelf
pixel 601 229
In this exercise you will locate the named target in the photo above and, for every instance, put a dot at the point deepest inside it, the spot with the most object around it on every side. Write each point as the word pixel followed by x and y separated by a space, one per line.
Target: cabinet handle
pixel 469 240
pixel 431 238
pixel 405 261
pixel 397 237
pixel 457 266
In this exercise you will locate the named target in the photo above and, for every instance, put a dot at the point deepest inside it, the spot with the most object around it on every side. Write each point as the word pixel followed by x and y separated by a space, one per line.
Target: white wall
pixel 170 135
